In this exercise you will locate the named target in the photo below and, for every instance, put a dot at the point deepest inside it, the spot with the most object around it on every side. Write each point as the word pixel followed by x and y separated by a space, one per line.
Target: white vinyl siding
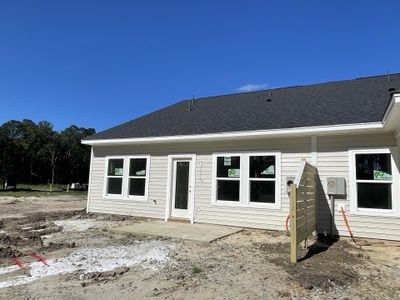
pixel 293 151
pixel 126 206
pixel 332 161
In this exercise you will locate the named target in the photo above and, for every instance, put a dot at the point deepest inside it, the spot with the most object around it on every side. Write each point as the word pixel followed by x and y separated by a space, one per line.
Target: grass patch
pixel 42 187
pixel 40 190
pixel 196 270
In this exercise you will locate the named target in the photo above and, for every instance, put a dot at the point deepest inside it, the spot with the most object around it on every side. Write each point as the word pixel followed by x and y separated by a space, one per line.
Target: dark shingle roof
pixel 341 102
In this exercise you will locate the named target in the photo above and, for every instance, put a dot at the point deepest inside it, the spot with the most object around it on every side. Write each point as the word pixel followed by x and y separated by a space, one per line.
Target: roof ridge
pixel 290 87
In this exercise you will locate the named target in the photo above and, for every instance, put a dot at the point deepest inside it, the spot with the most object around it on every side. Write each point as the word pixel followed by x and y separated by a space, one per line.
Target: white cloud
pixel 252 87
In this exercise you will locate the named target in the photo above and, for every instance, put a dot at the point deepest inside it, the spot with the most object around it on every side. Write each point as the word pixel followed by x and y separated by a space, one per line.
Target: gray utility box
pixel 289 182
pixel 336 186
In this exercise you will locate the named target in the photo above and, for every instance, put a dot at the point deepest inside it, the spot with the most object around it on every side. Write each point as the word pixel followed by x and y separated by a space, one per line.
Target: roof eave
pixel 226 136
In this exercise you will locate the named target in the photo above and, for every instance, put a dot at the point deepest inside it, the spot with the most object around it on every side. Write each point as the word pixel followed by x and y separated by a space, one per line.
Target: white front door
pixel 181 188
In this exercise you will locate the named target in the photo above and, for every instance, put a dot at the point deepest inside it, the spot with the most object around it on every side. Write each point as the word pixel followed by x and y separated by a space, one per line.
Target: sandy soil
pixel 86 261
pixel 11 207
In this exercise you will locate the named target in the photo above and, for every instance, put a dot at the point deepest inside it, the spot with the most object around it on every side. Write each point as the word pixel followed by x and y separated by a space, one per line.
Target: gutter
pixel 291 132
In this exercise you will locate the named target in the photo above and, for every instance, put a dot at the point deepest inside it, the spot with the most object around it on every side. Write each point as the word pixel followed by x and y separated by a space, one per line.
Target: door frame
pixel 170 177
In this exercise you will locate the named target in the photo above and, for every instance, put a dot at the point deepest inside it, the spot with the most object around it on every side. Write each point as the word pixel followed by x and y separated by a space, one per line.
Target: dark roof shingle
pixel 341 102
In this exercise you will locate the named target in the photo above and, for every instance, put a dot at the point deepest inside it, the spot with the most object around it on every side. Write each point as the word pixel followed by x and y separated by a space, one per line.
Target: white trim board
pixel 298 131
pixel 395 100
pixel 314 150
pixel 90 179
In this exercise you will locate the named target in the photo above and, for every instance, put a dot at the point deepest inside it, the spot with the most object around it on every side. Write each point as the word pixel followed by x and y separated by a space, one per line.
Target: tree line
pixel 35 153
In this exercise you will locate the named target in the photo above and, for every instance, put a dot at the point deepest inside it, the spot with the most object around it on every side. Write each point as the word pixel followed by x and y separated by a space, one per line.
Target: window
pixel 114 176
pixel 262 178
pixel 228 178
pixel 374 180
pixel 247 179
pixel 127 177
pixel 137 176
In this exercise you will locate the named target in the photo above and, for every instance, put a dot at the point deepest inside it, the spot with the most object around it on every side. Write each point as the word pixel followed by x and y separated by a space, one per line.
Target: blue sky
pixel 101 63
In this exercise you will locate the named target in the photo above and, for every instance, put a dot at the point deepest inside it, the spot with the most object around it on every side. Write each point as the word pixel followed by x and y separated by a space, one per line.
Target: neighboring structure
pixel 227 159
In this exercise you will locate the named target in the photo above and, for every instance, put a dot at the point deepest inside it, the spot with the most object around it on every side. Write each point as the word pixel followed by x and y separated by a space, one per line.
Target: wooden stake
pixel 293 225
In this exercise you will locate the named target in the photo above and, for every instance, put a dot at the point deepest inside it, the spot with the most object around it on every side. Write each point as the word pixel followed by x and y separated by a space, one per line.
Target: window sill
pixel 265 205
pixel 127 199
pixel 273 206
pixel 227 203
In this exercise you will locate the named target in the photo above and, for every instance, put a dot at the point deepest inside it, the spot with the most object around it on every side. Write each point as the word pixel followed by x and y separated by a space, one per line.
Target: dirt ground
pixel 82 259
pixel 12 207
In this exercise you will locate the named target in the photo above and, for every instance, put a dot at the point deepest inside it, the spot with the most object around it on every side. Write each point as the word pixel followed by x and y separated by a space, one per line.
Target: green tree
pixel 12 155
pixel 37 153
pixel 51 151
pixel 75 155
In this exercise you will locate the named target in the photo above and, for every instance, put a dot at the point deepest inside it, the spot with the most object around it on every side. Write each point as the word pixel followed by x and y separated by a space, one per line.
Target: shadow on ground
pixel 321 245
pixel 326 263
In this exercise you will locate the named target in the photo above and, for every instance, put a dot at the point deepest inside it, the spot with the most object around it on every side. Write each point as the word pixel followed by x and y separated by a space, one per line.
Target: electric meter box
pixel 336 186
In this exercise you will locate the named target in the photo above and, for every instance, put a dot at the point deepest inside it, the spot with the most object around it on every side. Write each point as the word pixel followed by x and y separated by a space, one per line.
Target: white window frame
pixel 125 178
pixel 215 178
pixel 106 176
pixel 244 180
pixel 277 180
pixel 354 209
pixel 146 178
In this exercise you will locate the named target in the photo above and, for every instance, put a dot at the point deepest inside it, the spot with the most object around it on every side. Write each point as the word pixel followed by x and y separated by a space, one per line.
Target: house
pixel 227 159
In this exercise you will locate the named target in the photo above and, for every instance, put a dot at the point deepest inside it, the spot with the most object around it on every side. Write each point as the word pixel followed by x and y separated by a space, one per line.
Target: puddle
pixel 149 254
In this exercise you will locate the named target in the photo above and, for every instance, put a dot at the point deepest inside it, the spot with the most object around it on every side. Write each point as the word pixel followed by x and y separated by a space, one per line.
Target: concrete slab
pixel 195 232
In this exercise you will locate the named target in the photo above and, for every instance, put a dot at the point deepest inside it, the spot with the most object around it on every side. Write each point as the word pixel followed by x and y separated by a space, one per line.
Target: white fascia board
pixel 391 118
pixel 298 131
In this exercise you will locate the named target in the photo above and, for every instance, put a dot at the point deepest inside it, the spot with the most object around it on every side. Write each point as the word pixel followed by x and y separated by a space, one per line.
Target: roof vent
pixel 268 100
pixel 190 104
pixel 392 89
